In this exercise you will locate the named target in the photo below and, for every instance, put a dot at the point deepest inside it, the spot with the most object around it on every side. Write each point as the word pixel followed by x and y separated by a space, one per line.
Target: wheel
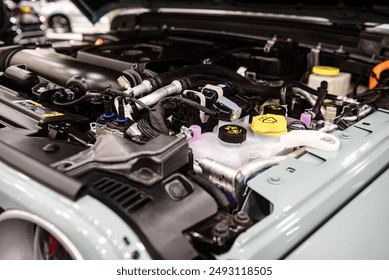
pixel 24 236
pixel 59 23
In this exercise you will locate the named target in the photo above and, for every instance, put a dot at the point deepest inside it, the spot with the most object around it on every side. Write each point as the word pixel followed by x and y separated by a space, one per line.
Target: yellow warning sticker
pixel 38 109
pixel 52 115
pixel 267 119
pixel 34 103
pixel 276 107
pixel 233 130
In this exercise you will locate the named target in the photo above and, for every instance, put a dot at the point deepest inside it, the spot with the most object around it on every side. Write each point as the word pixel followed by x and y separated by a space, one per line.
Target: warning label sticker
pixel 232 129
pixel 276 108
pixel 38 109
pixel 266 119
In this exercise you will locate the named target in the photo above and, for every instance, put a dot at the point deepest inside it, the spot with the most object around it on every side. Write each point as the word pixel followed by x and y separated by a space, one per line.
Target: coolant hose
pixel 376 73
pixel 261 90
pixel 287 87
pixel 322 93
pixel 216 193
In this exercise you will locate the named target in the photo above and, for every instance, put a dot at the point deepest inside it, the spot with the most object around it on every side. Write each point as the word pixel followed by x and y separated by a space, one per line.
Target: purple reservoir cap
pixel 306 119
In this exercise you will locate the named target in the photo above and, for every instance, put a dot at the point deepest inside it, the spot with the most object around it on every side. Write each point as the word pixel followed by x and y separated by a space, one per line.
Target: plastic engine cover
pixel 158 214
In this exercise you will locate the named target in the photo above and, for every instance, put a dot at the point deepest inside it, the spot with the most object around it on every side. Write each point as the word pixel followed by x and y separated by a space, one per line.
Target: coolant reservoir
pixel 267 130
pixel 228 146
pixel 339 83
pixel 271 138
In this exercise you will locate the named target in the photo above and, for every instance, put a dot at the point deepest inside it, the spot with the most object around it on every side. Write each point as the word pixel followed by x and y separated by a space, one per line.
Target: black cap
pixel 274 109
pixel 230 133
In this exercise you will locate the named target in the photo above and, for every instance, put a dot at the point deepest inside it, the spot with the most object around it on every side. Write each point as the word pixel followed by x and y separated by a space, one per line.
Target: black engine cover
pixel 159 214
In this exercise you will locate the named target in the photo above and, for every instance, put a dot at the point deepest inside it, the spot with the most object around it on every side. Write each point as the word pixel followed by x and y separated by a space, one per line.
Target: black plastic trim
pixel 41 173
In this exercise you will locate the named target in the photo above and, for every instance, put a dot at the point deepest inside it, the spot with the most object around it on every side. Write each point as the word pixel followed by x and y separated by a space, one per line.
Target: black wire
pixel 297 125
pixel 340 117
pixel 358 82
pixel 192 104
pixel 146 129
pixel 140 103
pixel 372 91
pixel 157 114
pixel 84 97
pixel 224 54
pixel 205 69
pixel 343 114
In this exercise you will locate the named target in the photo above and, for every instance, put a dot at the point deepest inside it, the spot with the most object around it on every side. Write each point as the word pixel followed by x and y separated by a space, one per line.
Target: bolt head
pixel 275 180
pixel 221 229
pixel 242 219
pixel 135 255
pixel 345 135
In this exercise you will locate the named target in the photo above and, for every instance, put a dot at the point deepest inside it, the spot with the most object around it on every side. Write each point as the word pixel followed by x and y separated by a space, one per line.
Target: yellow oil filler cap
pixel 269 124
pixel 325 70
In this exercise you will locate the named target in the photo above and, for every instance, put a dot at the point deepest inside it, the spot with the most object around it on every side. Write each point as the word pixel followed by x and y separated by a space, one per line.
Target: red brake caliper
pixel 53 245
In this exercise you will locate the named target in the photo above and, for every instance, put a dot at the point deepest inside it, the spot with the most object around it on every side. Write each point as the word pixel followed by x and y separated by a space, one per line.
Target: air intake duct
pixel 60 68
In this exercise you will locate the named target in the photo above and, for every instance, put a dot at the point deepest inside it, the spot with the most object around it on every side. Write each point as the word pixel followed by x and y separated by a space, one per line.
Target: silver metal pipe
pixel 218 173
pixel 229 179
pixel 328 127
pixel 197 168
pixel 259 164
pixel 141 89
pixel 364 110
pixel 151 99
pixel 283 96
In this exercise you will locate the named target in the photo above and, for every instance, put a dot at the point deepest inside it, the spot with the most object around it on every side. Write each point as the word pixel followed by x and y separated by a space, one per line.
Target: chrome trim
pixel 319 20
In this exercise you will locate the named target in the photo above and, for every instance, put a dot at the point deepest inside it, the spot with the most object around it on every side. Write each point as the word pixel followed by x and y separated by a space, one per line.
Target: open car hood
pixel 332 11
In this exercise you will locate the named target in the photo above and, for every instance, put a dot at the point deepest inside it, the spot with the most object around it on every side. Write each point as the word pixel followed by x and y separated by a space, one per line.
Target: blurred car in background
pixel 63 16
pixel 18 19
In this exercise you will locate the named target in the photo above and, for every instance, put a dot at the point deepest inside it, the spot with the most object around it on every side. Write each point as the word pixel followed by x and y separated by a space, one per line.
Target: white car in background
pixel 63 16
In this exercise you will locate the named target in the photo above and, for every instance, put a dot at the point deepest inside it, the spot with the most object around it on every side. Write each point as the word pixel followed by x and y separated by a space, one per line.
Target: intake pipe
pixel 60 69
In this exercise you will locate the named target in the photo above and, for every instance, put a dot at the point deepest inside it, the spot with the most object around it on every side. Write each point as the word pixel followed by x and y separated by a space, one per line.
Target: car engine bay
pixel 167 130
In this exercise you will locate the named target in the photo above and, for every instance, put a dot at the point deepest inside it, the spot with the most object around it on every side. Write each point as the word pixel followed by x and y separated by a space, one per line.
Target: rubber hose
pixel 307 89
pixel 264 91
pixel 376 73
pixel 322 93
pixel 205 69
pixel 216 193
